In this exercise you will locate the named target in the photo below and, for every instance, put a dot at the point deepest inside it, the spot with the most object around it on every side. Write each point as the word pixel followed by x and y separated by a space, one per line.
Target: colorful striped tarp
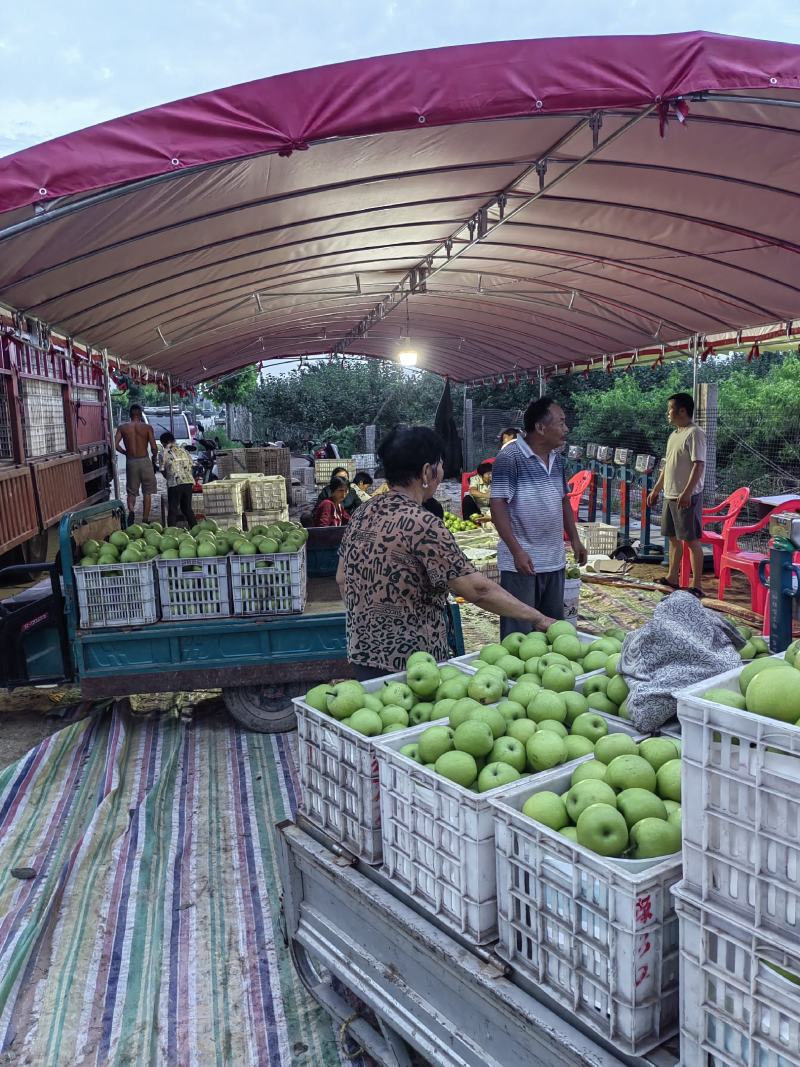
pixel 150 934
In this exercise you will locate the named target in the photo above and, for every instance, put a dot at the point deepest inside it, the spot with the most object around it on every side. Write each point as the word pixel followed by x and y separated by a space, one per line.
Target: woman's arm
pixel 486 594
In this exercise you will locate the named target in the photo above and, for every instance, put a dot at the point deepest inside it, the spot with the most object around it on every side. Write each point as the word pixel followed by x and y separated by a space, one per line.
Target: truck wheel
pixel 266 709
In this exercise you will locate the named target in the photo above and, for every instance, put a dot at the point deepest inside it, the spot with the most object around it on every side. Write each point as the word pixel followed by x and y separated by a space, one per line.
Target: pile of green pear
pixel 768 687
pixel 756 647
pixel 553 659
pixel 625 802
pixel 483 745
pixel 141 542
pixel 397 704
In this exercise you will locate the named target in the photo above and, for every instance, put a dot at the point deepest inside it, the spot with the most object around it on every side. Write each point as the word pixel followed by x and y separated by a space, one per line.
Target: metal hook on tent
pixel 595 122
pixel 541 170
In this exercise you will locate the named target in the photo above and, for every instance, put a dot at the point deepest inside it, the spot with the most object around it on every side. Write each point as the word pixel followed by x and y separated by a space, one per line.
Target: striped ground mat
pixel 150 934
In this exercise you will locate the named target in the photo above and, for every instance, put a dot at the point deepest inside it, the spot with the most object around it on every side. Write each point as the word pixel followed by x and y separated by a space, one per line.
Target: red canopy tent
pixel 533 204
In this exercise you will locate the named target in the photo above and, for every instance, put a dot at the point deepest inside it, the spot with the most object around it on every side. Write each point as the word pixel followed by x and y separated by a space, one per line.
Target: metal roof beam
pixel 476 229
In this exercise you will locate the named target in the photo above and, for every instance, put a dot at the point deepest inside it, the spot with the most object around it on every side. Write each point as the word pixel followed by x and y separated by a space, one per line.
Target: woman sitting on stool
pixel 329 512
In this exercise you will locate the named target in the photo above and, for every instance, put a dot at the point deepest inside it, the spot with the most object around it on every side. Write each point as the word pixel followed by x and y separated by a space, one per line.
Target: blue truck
pixel 259 662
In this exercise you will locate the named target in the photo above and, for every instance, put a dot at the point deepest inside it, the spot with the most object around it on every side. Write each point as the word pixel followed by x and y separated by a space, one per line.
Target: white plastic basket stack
pixel 267 493
pixel 303 496
pixel 737 1010
pixel 305 476
pixel 598 935
pixel 599 538
pixel 324 468
pixel 438 839
pixel 225 522
pixel 273 584
pixel 224 498
pixel 265 518
pixel 339 777
pixel 739 902
pixel 741 782
pixel 364 461
pixel 122 594
pixel 194 588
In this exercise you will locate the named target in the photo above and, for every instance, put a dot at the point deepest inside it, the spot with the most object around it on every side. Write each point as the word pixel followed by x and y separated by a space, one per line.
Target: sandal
pixel 667 584
pixel 696 592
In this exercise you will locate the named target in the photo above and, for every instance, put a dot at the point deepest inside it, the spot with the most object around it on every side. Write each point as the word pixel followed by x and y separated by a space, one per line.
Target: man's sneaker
pixel 131 518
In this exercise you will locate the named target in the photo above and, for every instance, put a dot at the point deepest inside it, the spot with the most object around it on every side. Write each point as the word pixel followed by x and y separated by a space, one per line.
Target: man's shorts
pixel 139 473
pixel 686 524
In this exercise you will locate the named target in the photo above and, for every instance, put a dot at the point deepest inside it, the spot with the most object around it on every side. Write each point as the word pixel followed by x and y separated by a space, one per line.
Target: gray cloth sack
pixel 681 645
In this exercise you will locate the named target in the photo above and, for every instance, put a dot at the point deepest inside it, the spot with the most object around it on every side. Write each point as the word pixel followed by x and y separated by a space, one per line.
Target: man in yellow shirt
pixel 682 482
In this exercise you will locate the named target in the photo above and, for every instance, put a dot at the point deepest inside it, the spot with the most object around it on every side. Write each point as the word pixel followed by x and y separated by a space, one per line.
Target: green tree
pixel 235 388
pixel 327 401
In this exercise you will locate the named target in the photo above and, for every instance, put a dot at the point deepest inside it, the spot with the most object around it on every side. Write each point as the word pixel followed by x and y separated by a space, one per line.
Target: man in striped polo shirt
pixel 531 512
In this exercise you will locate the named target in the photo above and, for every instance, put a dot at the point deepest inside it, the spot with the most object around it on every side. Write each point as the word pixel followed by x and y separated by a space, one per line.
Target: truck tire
pixel 266 709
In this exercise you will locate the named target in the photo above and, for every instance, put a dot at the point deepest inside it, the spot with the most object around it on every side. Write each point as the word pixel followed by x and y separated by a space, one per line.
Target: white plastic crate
pixel 121 594
pixel 303 496
pixel 671 729
pixel 438 839
pixel 735 1010
pixel 267 493
pixel 741 782
pixel 339 777
pixel 599 538
pixel 225 521
pixel 224 498
pixel 271 584
pixel 324 468
pixel 599 935
pixel 194 588
pixel 266 518
pixel 364 461
pixel 305 476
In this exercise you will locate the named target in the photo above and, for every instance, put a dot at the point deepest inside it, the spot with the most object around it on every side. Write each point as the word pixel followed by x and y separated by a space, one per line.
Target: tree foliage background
pixel 758 435
pixel 327 402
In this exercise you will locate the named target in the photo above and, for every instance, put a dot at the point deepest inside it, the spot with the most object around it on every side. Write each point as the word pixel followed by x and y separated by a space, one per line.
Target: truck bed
pixel 455 1005
pixel 217 653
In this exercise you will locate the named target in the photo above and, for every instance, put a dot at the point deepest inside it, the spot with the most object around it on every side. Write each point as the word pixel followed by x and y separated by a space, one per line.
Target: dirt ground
pixel 27 716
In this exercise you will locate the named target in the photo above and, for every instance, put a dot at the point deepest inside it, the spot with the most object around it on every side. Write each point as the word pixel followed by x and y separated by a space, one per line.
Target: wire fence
pixel 481 428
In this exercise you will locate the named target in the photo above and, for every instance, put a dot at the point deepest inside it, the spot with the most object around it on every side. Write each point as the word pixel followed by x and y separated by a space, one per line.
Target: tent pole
pixel 695 362
pixel 110 415
pixel 541 382
pixel 171 416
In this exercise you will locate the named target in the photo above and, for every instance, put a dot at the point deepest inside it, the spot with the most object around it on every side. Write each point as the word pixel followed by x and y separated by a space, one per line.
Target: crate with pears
pixel 741 776
pixel 436 782
pixel 337 724
pixel 586 859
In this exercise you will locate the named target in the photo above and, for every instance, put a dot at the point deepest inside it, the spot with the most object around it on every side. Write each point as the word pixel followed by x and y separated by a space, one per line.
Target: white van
pixel 159 419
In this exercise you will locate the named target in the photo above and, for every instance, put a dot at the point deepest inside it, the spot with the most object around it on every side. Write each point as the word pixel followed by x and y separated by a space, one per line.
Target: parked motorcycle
pixel 205 462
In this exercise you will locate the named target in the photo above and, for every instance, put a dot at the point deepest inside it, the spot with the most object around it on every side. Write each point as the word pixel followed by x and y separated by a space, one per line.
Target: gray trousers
pixel 545 592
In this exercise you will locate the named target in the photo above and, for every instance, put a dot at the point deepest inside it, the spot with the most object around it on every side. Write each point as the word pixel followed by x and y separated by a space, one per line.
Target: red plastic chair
pixel 577 485
pixel 745 562
pixel 726 513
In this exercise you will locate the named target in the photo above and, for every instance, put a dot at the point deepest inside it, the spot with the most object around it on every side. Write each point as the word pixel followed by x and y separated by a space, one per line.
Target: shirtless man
pixel 137 437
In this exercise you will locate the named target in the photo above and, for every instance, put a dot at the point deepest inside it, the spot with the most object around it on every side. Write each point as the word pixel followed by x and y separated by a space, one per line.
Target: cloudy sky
pixel 66 65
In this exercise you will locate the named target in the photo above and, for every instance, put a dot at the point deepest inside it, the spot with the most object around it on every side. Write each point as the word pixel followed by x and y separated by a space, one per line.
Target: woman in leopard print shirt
pixel 398 562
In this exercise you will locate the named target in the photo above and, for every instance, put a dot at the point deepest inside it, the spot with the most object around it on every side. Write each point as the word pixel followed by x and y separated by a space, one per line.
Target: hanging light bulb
pixel 407 356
